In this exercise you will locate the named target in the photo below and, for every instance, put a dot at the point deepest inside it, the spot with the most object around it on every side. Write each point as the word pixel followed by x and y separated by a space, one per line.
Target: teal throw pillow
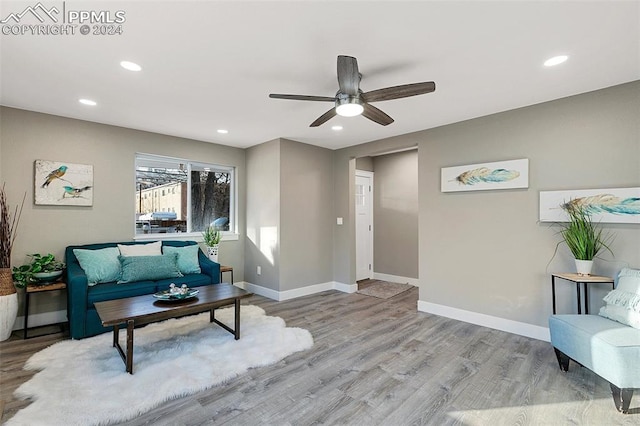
pixel 142 268
pixel 100 266
pixel 187 258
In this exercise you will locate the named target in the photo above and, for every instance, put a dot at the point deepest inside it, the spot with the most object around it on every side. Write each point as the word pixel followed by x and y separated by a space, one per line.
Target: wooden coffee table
pixel 140 310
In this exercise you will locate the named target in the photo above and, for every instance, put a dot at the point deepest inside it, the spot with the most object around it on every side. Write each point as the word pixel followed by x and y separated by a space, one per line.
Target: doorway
pixel 364 224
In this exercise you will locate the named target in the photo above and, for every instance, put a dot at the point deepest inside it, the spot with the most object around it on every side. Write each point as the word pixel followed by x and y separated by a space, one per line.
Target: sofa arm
pixel 77 291
pixel 209 267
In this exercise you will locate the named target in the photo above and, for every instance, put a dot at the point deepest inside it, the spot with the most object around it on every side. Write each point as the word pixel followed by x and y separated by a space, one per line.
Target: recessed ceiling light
pixel 336 128
pixel 223 131
pixel 131 66
pixel 556 60
pixel 87 102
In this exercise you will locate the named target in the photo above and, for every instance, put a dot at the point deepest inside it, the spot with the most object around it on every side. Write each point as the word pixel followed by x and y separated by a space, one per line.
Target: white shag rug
pixel 83 382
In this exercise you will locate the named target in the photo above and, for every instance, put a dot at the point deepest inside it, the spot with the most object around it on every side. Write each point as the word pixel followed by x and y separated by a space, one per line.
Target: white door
pixel 364 225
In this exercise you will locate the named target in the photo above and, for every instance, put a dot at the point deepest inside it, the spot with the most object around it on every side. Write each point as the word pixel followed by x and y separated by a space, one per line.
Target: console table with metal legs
pixel 579 279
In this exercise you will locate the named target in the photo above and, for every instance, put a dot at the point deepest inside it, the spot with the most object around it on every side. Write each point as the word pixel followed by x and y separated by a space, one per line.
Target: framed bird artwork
pixel 59 183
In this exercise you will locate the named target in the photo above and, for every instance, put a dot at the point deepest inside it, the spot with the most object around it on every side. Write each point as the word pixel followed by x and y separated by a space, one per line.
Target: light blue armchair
pixel 611 349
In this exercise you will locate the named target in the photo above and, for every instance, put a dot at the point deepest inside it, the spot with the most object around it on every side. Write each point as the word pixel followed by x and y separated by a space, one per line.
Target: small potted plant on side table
pixel 211 237
pixel 41 270
pixel 584 238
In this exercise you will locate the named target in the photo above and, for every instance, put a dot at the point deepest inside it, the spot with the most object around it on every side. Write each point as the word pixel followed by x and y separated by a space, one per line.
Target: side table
pixel 579 279
pixel 38 288
pixel 224 268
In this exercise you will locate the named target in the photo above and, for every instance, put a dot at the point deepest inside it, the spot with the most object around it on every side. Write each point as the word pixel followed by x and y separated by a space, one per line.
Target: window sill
pixel 191 236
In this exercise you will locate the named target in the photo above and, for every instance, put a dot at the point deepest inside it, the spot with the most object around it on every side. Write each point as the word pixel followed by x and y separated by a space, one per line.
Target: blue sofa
pixel 82 315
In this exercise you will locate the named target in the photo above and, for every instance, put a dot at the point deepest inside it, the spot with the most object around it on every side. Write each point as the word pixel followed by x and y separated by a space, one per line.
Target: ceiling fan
pixel 351 101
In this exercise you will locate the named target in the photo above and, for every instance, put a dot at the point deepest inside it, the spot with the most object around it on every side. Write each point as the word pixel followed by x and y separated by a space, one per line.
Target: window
pixel 184 196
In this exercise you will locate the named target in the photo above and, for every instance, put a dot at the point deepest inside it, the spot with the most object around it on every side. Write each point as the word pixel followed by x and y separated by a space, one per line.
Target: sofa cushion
pixel 100 266
pixel 111 291
pixel 140 268
pixel 187 258
pixel 148 249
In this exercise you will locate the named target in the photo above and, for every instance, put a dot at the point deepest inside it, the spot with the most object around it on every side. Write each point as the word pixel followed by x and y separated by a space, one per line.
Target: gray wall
pixel 306 213
pixel 485 251
pixel 289 209
pixel 395 214
pixel 364 163
pixel 28 136
pixel 263 215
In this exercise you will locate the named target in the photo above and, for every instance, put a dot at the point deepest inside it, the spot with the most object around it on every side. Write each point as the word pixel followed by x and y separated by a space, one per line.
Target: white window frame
pixel 230 235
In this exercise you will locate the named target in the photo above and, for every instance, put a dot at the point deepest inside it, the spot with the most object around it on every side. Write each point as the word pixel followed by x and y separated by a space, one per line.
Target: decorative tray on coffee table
pixel 174 294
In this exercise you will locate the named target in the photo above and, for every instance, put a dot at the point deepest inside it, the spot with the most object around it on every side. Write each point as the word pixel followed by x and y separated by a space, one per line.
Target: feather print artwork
pixel 484 174
pixel 605 203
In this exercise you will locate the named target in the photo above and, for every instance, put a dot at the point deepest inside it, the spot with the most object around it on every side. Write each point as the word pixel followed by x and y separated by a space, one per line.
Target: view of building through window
pixel 180 196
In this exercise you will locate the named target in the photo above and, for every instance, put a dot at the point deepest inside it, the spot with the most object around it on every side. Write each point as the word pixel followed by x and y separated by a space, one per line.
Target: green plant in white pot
pixel 211 237
pixel 584 237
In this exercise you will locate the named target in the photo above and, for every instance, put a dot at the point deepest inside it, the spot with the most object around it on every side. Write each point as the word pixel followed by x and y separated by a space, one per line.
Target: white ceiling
pixel 212 65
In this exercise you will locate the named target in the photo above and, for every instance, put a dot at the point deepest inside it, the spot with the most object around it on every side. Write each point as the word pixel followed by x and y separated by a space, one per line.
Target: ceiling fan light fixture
pixel 349 106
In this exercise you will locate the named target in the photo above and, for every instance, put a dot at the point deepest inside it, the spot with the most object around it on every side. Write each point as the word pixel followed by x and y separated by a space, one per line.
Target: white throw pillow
pixel 621 315
pixel 627 292
pixel 623 303
pixel 151 249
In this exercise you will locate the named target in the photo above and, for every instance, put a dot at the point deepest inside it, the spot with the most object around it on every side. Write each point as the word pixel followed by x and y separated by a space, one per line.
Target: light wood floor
pixel 380 362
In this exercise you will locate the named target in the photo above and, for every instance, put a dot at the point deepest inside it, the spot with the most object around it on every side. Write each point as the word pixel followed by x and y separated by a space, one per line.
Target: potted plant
pixel 211 237
pixel 41 269
pixel 584 237
pixel 8 296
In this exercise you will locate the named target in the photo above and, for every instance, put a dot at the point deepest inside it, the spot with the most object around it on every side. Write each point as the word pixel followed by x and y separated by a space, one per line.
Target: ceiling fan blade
pixel 324 118
pixel 397 92
pixel 374 114
pixel 348 75
pixel 302 97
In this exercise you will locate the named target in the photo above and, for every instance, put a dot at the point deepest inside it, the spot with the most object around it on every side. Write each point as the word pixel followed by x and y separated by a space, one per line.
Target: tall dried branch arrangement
pixel 8 227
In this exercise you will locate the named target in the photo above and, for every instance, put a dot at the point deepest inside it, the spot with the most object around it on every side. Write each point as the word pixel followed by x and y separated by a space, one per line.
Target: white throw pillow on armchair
pixel 623 303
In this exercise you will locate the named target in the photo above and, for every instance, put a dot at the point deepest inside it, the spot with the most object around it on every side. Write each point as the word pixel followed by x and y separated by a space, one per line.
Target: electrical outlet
pixel 258 270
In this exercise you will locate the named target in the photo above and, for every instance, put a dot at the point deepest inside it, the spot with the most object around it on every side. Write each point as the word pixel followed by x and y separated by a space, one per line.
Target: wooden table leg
pixel 116 334
pixel 129 357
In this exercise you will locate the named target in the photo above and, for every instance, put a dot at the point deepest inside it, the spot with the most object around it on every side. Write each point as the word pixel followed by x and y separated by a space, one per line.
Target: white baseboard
pixel 396 279
pixel 298 292
pixel 502 324
pixel 345 288
pixel 45 318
